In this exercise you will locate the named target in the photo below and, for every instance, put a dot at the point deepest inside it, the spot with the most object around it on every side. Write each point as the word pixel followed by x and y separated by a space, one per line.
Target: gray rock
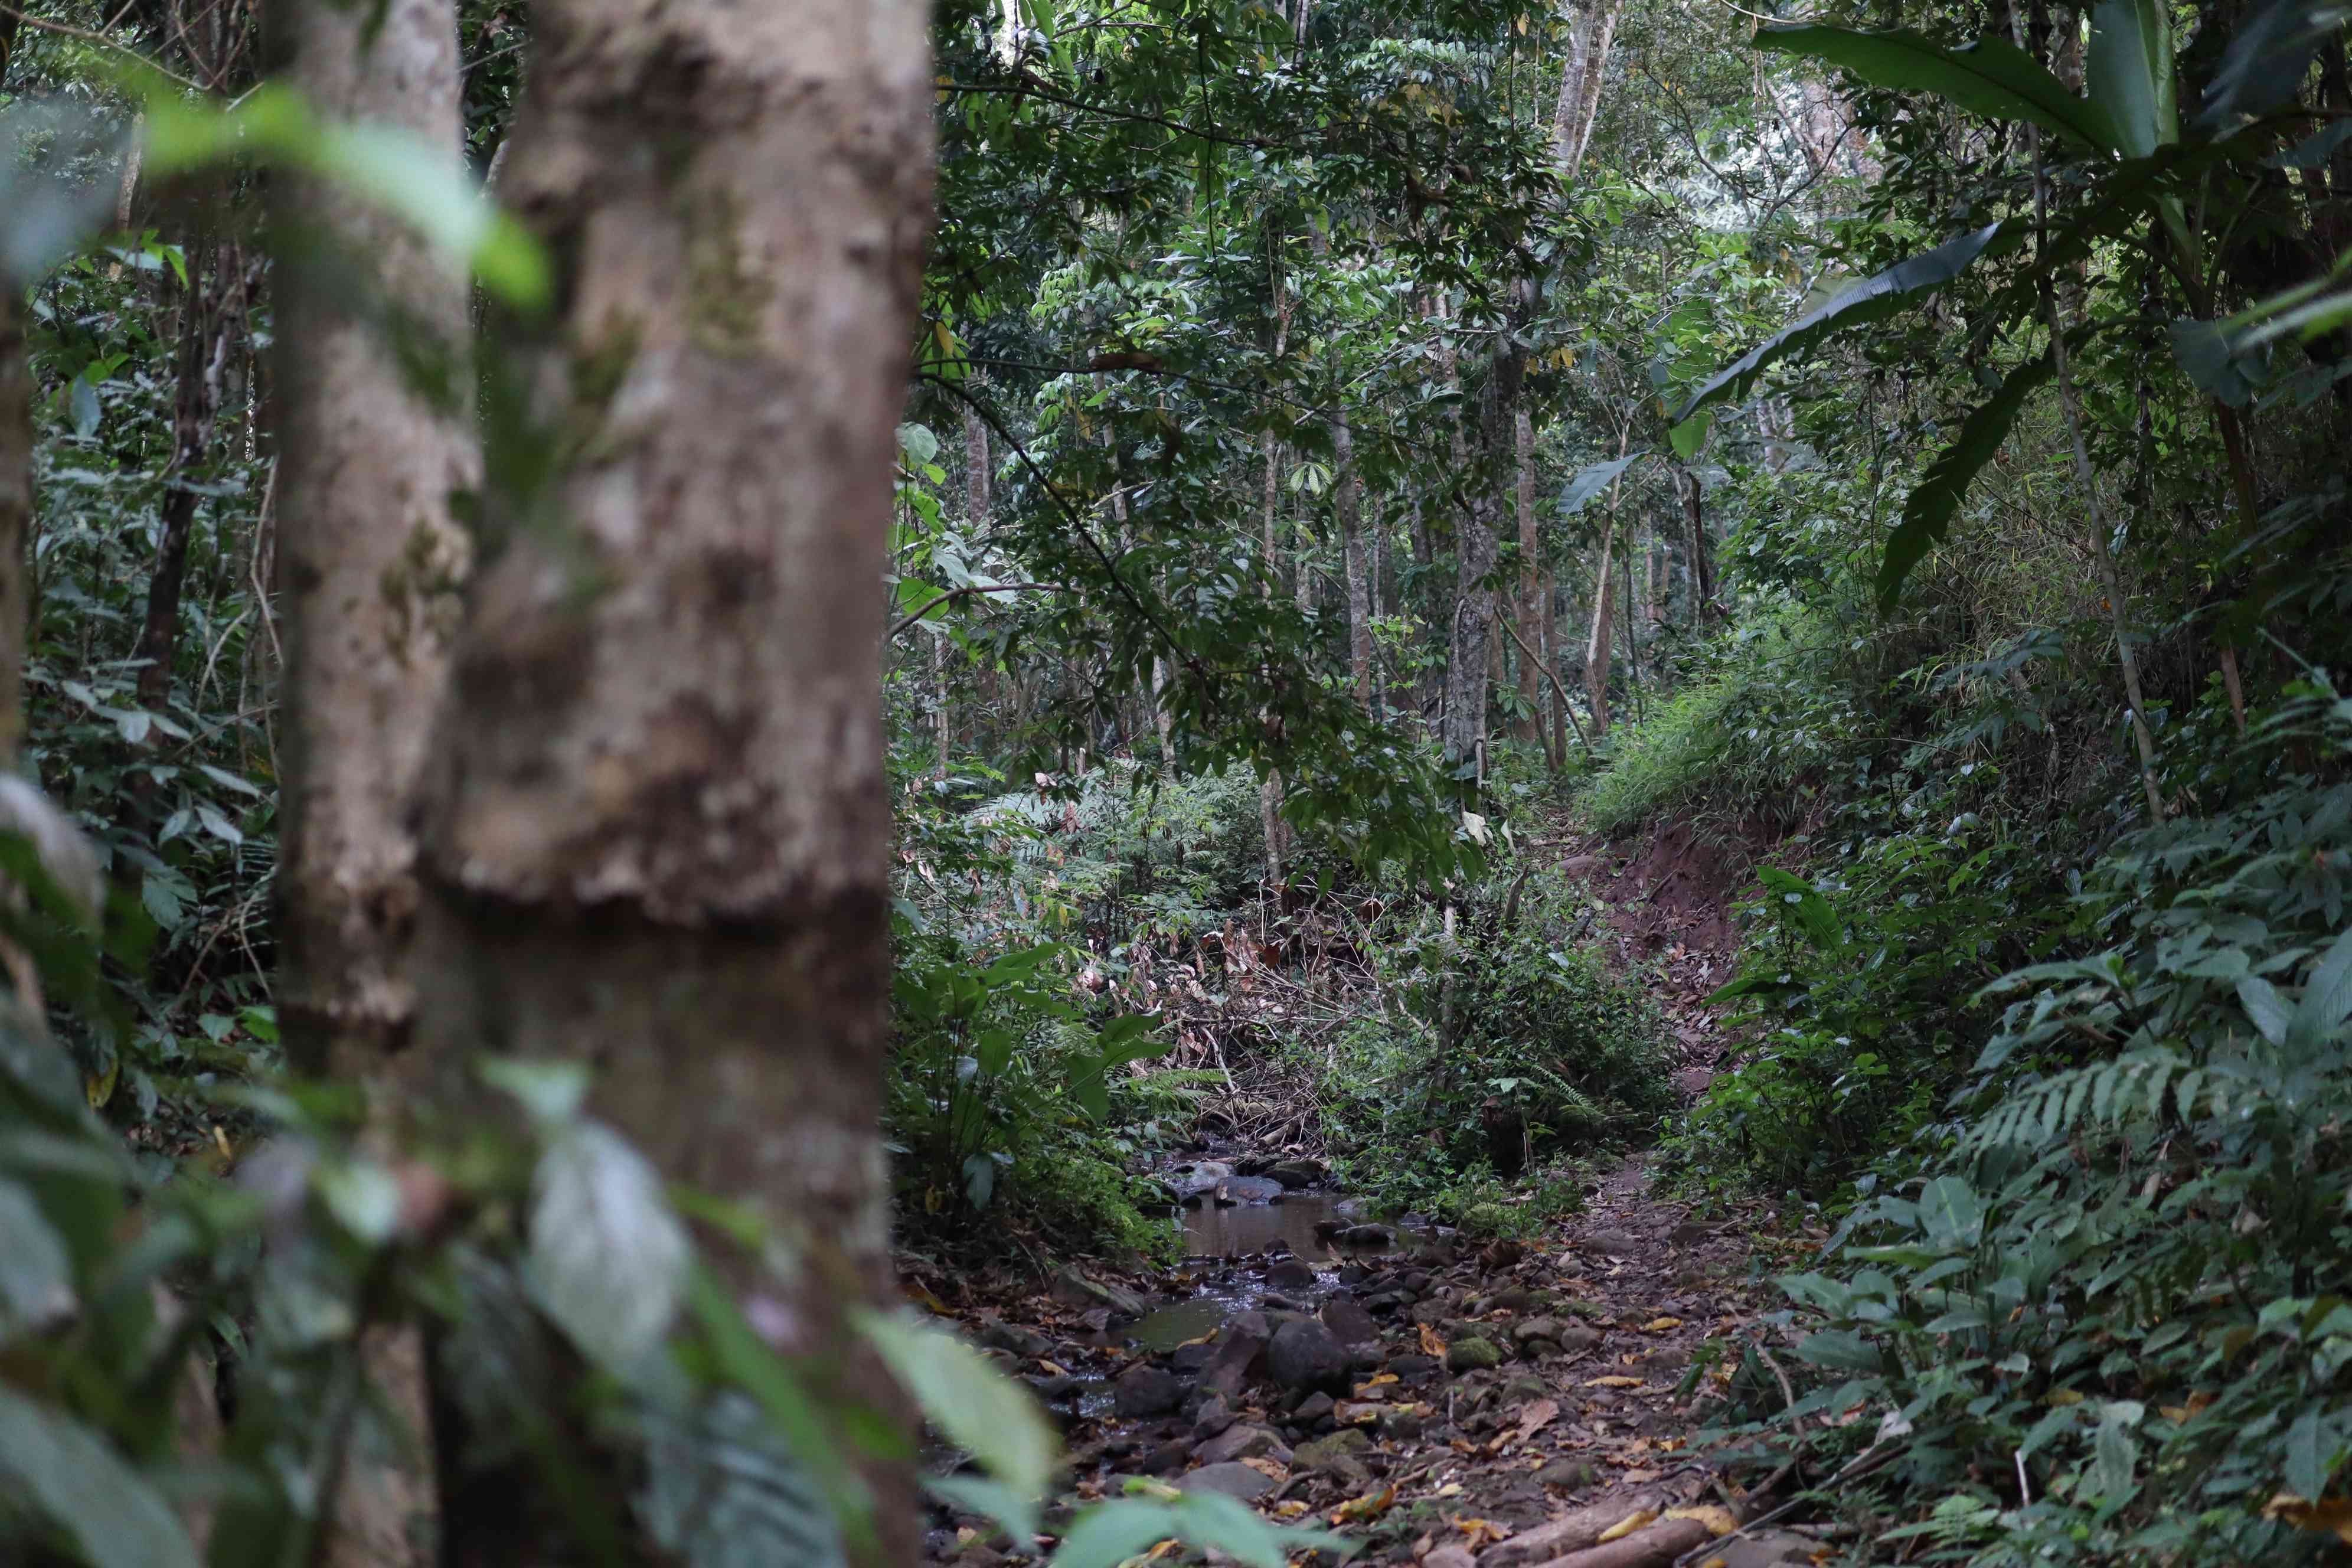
pixel 1290 1274
pixel 1192 1359
pixel 1314 1410
pixel 1449 1557
pixel 1350 1324
pixel 1769 1550
pixel 1401 1424
pixel 1296 1174
pixel 1241 1355
pixel 1214 1416
pixel 1234 1479
pixel 1242 1443
pixel 1575 1339
pixel 1538 1350
pixel 1432 1312
pixel 1026 1343
pixel 1413 1368
pixel 1472 1355
pixel 1167 1458
pixel 1147 1390
pixel 1304 1354
pixel 1611 1244
pixel 1567 1473
pixel 1072 1288
pixel 1320 1454
pixel 1535 1329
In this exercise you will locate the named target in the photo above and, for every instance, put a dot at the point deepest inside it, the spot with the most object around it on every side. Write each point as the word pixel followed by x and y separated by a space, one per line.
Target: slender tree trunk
pixel 198 403
pixel 1473 604
pixel 1348 502
pixel 654 821
pixel 16 499
pixel 1604 608
pixel 1589 36
pixel 1269 791
pixel 1702 550
pixel 1528 611
pixel 374 557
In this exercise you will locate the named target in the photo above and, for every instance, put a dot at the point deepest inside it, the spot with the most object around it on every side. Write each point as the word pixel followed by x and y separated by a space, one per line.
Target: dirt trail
pixel 1508 1406
pixel 1500 1407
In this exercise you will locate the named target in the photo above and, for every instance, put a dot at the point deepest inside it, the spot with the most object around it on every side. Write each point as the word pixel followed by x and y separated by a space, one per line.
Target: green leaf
pixel 1589 482
pixel 608 1258
pixel 2218 361
pixel 2131 75
pixel 2309 1447
pixel 1112 1532
pixel 2266 1008
pixel 978 1180
pixel 2327 997
pixel 1842 1349
pixel 721 1492
pixel 975 1406
pixel 2115 1454
pixel 1689 435
pixel 2267 59
pixel 1874 300
pixel 404 173
pixel 35 1275
pixel 1951 1213
pixel 71 1475
pixel 1991 77
pixel 551 1092
pixel 1928 511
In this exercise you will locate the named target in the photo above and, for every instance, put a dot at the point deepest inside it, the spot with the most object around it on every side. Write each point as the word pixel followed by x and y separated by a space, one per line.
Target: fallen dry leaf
pixel 1536 1417
pixel 1054 1367
pixel 1430 1343
pixel 1613 1383
pixel 1383 1381
pixel 1640 1518
pixel 2325 1517
pixel 1662 1325
pixel 1717 1519
pixel 1481 1532
pixel 1451 1489
pixel 1355 1510
pixel 1268 1469
pixel 1291 1508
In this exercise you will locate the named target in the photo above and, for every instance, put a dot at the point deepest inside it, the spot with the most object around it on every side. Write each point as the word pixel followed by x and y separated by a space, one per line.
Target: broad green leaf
pixel 73 1477
pixel 2266 1008
pixel 1991 77
pixel 1689 435
pixel 721 1492
pixel 35 1274
pixel 1110 1534
pixel 2309 1448
pixel 2217 363
pixel 1842 1349
pixel 1589 482
pixel 1952 1211
pixel 1874 300
pixel 1928 511
pixel 404 173
pixel 608 1258
pixel 2327 997
pixel 975 1406
pixel 2267 58
pixel 2130 74
pixel 2115 1454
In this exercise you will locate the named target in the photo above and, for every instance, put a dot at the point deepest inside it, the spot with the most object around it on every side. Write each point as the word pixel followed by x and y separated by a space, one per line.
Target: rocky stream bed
pixel 1443 1403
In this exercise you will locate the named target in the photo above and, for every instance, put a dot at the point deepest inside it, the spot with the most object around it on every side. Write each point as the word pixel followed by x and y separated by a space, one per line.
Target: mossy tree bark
pixel 655 824
pixel 16 508
pixel 372 556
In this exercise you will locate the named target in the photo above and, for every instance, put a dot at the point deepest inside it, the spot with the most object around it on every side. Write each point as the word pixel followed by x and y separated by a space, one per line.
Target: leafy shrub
pixel 1002 1096
pixel 1753 738
pixel 1495 1027
pixel 2110 1319
pixel 1856 988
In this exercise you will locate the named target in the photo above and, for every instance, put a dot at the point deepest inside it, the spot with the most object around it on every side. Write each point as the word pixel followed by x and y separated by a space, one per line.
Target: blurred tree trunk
pixel 1589 36
pixel 654 822
pixel 1597 645
pixel 372 556
pixel 1477 551
pixel 1535 626
pixel 1348 502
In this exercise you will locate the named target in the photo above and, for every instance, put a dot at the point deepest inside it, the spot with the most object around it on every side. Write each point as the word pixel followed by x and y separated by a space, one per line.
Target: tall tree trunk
pixel 655 820
pixel 1529 612
pixel 1473 604
pixel 1348 502
pixel 1702 550
pixel 16 500
pixel 1269 789
pixel 1605 607
pixel 196 405
pixel 374 557
pixel 1589 36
